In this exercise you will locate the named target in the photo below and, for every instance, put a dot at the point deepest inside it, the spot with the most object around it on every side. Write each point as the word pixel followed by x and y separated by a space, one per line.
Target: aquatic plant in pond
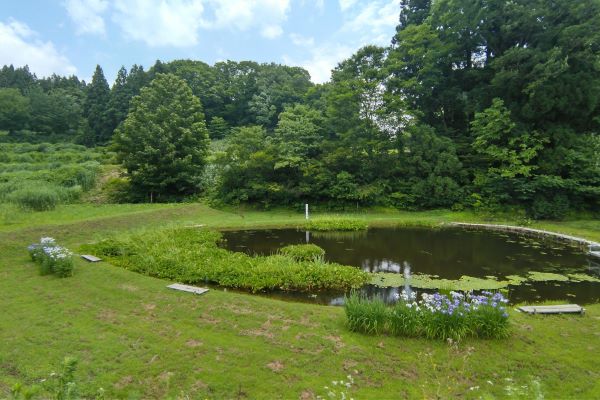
pixel 434 316
pixel 336 224
pixel 51 258
pixel 193 256
pixel 303 252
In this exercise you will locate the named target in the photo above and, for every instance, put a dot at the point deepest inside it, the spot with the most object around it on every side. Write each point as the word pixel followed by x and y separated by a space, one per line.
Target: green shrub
pixel 303 252
pixel 555 207
pixel 193 256
pixel 364 315
pixel 336 224
pixel 118 190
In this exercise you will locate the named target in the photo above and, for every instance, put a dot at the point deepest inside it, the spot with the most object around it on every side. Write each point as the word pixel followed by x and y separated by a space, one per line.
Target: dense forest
pixel 475 103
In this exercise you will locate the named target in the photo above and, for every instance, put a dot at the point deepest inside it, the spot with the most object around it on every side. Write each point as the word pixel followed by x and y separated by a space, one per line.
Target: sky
pixel 72 36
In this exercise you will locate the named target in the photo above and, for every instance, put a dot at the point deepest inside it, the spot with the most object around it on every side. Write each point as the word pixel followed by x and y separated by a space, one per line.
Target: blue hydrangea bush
pixel 52 258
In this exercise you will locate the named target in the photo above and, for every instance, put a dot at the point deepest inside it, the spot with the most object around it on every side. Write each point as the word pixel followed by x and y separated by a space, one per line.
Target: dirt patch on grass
pixel 209 319
pixel 193 343
pixel 128 287
pixel 109 316
pixel 337 341
pixel 124 382
pixel 275 366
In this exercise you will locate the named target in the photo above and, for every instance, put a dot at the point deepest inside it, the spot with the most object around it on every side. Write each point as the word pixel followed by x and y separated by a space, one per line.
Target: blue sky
pixel 72 36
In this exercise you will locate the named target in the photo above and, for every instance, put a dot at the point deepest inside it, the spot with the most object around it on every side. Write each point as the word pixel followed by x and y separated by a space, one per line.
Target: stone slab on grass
pixel 188 288
pixel 555 309
pixel 90 258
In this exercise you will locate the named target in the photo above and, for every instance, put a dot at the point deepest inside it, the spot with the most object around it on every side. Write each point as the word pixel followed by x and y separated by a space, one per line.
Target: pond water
pixel 447 253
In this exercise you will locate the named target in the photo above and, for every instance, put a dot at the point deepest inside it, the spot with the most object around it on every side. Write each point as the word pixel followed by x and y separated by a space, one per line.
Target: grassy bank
pixel 136 339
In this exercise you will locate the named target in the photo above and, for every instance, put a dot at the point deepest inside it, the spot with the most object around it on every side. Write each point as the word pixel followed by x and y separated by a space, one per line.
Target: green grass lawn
pixel 136 339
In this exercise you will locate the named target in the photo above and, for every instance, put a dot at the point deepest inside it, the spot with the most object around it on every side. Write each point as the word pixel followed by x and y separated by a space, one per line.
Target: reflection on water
pixel 447 253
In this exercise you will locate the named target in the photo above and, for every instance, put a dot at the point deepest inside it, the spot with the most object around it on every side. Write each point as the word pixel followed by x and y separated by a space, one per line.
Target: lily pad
pixel 583 278
pixel 423 281
pixel 537 276
pixel 515 279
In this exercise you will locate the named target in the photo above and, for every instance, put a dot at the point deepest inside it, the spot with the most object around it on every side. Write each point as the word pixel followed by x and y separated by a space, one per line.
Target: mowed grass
pixel 137 339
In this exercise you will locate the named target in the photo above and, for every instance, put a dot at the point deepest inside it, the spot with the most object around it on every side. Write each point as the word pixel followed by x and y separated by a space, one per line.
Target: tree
pixel 95 109
pixel 218 128
pixel 56 113
pixel 14 109
pixel 163 142
pixel 120 96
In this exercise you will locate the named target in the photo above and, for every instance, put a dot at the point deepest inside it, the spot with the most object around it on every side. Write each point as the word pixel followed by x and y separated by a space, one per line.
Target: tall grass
pixel 365 315
pixel 40 176
pixel 43 196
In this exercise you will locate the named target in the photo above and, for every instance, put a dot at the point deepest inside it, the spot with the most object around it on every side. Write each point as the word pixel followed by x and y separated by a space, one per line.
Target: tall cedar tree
pixel 163 142
pixel 95 109
pixel 118 104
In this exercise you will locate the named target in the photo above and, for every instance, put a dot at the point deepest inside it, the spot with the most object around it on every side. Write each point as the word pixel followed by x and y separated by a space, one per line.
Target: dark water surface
pixel 449 253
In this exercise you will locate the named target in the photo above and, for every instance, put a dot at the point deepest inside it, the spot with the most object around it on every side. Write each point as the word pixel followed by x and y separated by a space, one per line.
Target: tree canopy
pixel 163 141
pixel 475 103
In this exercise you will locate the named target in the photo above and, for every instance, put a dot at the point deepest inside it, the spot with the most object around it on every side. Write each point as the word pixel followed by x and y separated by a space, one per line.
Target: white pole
pixel 306 210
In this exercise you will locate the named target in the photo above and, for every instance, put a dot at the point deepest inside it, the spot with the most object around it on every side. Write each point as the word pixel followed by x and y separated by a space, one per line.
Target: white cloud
pixel 20 46
pixel 86 14
pixel 268 15
pixel 271 31
pixel 322 60
pixel 160 22
pixel 374 22
pixel 371 22
pixel 346 4
pixel 302 41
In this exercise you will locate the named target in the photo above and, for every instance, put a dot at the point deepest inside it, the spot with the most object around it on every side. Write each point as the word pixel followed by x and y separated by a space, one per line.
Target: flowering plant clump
pixel 52 258
pixel 437 316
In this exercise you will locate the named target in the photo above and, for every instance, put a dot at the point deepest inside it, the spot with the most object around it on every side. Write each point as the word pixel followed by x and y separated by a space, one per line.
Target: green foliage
pixel 404 320
pixel 364 315
pixel 164 140
pixel 194 257
pixel 118 190
pixel 303 252
pixel 14 109
pixel 336 224
pixel 218 128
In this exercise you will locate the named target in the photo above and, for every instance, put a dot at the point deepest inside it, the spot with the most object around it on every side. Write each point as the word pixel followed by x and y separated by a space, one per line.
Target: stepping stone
pixel 555 309
pixel 90 258
pixel 187 288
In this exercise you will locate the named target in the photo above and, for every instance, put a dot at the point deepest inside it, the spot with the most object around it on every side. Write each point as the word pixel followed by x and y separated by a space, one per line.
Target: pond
pixel 531 269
